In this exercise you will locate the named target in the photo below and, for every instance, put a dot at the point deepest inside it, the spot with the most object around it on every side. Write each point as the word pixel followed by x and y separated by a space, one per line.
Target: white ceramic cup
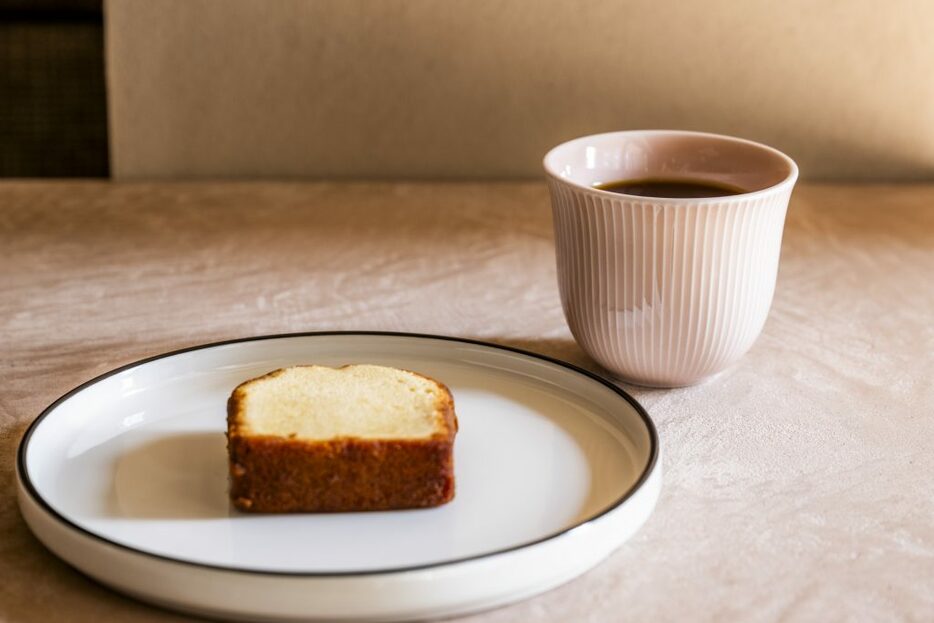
pixel 666 292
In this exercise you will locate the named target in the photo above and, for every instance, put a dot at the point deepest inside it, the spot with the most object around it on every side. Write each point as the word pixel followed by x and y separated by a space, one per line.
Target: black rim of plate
pixel 23 474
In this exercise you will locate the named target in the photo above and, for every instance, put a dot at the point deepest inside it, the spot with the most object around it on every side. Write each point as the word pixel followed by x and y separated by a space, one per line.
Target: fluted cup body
pixel 667 292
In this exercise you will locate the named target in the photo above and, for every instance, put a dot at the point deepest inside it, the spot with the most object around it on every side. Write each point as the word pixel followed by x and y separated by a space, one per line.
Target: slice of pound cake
pixel 356 438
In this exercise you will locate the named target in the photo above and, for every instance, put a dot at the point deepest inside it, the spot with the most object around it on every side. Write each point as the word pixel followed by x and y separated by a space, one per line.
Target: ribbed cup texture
pixel 666 294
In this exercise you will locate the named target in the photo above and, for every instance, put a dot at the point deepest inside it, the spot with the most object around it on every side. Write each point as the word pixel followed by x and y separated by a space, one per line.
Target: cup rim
pixel 787 182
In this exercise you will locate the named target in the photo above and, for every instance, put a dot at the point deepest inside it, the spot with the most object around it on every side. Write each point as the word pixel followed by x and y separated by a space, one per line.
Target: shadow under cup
pixel 666 292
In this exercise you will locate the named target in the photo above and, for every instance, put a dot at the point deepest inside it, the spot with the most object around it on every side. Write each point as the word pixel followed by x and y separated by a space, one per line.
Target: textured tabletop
pixel 798 485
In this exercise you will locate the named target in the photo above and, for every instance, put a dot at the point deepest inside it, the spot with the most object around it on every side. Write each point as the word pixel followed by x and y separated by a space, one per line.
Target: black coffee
pixel 671 188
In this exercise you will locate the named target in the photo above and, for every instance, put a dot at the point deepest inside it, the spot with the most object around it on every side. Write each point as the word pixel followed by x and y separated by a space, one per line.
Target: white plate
pixel 125 478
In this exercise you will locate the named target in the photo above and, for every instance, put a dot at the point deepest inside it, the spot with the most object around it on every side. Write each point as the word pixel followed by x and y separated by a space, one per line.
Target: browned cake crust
pixel 271 474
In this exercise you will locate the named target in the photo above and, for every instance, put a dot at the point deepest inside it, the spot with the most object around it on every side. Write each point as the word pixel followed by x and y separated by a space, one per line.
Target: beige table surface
pixel 799 485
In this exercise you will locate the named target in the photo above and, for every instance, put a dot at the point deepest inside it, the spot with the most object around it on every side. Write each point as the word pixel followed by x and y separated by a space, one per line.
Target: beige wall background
pixel 480 89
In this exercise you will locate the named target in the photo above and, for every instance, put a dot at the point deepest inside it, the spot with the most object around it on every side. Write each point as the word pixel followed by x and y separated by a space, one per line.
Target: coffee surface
pixel 671 188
